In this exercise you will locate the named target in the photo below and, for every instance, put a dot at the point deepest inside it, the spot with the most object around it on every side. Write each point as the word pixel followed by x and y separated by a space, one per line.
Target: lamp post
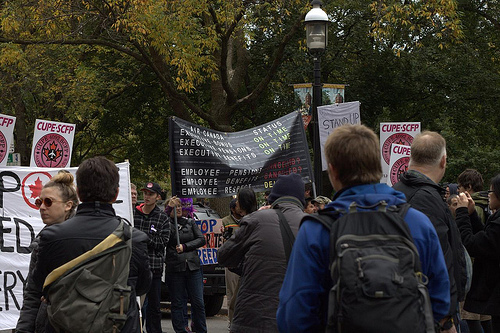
pixel 316 22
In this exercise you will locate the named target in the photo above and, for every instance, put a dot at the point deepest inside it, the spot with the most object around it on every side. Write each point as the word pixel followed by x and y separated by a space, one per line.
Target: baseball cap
pixel 321 200
pixel 152 187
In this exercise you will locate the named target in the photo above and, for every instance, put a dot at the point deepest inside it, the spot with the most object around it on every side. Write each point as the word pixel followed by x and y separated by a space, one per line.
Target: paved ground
pixel 215 324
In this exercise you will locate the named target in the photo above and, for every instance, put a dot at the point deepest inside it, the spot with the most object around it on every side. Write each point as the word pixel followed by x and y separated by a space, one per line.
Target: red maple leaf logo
pixel 36 189
pixel 52 153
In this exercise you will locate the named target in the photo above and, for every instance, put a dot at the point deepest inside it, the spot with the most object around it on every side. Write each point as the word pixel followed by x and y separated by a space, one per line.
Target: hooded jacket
pixel 304 294
pixel 156 226
pixel 259 244
pixel 426 196
pixel 482 207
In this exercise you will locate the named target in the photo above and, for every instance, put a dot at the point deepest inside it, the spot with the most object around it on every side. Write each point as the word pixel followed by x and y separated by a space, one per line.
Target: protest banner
pixel 21 222
pixel 207 163
pixel 52 144
pixel 400 158
pixel 332 116
pixel 395 133
pixel 7 124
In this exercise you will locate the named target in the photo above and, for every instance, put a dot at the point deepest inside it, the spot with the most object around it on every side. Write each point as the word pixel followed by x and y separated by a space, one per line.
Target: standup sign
pixel 207 163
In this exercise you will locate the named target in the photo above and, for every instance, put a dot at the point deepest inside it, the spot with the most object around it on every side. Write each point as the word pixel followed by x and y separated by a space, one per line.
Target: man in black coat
pixel 420 186
pixel 97 187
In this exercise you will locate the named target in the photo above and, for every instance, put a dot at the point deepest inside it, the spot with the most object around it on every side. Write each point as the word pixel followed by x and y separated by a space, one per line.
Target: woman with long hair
pixel 57 202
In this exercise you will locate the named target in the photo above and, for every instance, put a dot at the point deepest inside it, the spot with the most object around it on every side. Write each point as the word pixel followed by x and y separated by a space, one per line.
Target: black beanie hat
pixel 290 185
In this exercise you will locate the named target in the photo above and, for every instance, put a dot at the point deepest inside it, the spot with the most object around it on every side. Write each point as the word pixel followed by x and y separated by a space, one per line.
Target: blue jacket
pixel 304 293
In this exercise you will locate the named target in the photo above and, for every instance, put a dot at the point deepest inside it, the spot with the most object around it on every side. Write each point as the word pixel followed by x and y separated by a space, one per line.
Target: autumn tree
pixel 225 64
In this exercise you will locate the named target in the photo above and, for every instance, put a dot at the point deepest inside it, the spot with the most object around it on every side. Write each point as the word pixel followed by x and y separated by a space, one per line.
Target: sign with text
pixel 211 229
pixel 21 222
pixel 395 133
pixel 52 144
pixel 400 158
pixel 207 163
pixel 332 116
pixel 7 124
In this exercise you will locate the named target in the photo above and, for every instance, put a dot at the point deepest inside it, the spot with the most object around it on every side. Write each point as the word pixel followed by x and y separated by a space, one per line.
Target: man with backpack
pixel 355 267
pixel 83 296
pixel 420 186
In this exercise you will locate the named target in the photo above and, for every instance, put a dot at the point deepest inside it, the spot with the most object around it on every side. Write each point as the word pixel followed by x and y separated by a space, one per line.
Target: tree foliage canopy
pixel 120 68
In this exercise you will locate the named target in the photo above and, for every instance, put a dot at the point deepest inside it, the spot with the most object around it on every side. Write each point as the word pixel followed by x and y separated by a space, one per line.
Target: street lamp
pixel 316 22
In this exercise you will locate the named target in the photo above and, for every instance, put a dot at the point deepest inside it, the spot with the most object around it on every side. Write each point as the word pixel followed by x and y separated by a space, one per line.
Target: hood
pixel 139 207
pixel 367 195
pixel 414 178
pixel 479 199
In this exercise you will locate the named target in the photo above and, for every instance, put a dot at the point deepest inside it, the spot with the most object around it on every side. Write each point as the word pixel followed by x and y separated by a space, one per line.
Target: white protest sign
pixel 7 124
pixel 332 116
pixel 20 222
pixel 52 144
pixel 395 133
pixel 400 158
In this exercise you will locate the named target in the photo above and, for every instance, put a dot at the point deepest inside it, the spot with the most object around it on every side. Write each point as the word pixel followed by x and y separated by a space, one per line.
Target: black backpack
pixel 90 293
pixel 378 285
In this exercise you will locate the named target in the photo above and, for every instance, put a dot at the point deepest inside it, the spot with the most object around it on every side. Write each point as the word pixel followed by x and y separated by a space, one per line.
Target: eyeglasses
pixel 490 191
pixel 47 202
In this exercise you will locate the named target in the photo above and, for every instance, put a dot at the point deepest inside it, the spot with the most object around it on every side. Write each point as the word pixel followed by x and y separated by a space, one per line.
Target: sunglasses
pixel 47 202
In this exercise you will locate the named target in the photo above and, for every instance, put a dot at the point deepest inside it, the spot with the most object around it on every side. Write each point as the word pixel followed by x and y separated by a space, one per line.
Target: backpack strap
pixel 286 234
pixel 325 216
pixel 122 233
pixel 402 209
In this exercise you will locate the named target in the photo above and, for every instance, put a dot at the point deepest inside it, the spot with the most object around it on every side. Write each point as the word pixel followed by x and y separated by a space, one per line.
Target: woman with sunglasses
pixel 57 202
pixel 483 244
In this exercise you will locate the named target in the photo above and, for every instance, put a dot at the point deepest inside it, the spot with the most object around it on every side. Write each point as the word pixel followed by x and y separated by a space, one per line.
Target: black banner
pixel 207 163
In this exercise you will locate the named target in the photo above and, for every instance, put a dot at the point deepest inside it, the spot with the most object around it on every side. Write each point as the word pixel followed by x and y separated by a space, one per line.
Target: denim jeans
pixel 152 304
pixel 192 282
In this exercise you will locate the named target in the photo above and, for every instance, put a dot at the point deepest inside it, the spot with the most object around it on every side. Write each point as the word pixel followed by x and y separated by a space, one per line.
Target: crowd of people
pixel 278 257
pixel 454 229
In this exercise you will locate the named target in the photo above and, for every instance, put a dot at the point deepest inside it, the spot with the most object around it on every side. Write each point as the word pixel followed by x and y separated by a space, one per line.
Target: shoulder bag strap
pixel 286 234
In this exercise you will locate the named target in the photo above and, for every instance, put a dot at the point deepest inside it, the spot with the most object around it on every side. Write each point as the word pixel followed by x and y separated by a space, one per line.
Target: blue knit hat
pixel 290 185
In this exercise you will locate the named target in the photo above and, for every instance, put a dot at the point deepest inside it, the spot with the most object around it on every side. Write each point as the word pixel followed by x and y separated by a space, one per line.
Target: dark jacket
pixel 259 244
pixel 483 244
pixel 192 238
pixel 426 196
pixel 156 226
pixel 92 223
pixel 29 319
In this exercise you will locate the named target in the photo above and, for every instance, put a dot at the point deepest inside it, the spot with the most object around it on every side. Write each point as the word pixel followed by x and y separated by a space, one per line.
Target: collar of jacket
pixel 153 212
pixel 287 199
pixel 98 207
pixel 416 177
